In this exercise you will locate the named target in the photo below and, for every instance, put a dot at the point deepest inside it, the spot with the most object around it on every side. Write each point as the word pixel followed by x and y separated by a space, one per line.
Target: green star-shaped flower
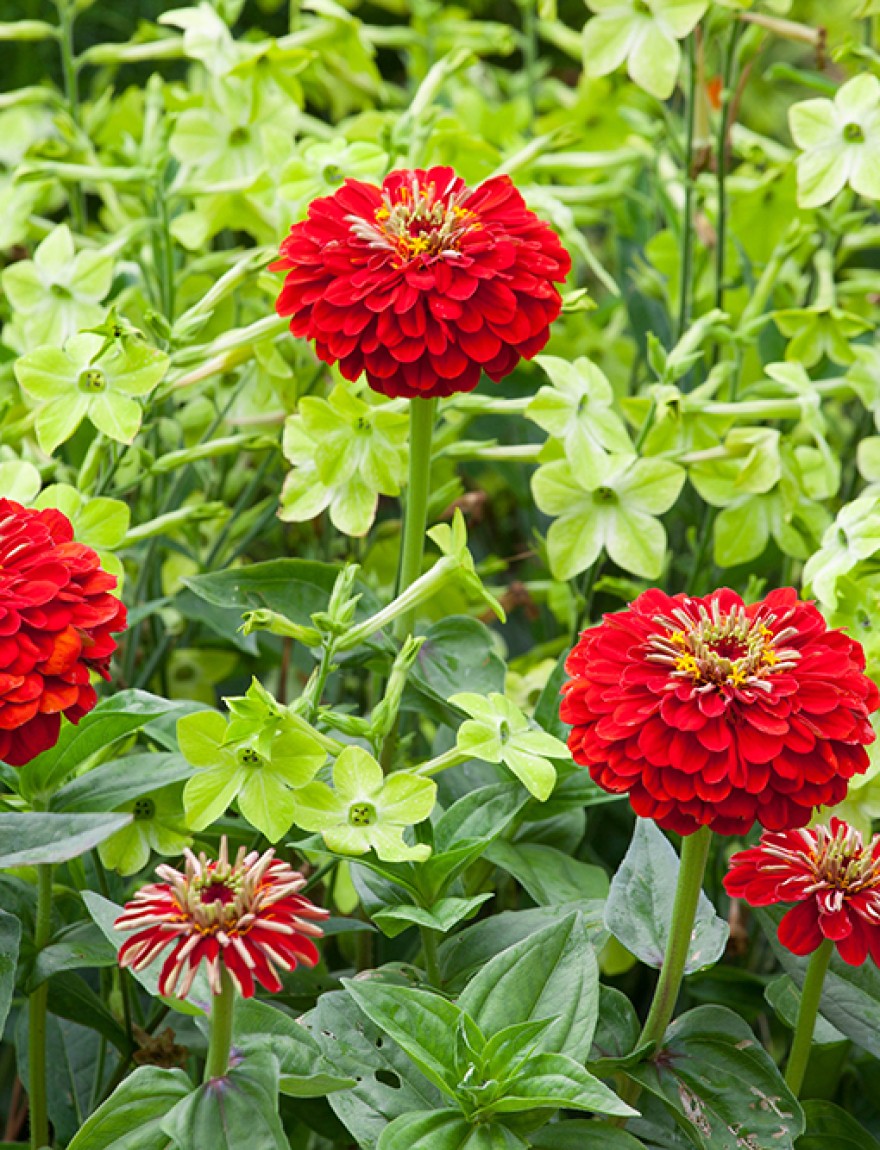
pixel 262 781
pixel 644 33
pixel 90 380
pixel 365 810
pixel 840 140
pixel 345 454
pixel 498 732
pixel 618 514
pixel 158 825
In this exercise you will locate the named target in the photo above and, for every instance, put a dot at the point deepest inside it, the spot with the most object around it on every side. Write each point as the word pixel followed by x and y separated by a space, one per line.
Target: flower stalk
pixel 421 423
pixel 37 1007
pixel 694 854
pixel 807 1014
pixel 220 1043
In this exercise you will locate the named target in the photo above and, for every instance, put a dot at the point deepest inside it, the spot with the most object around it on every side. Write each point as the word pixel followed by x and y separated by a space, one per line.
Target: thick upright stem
pixel 37 1003
pixel 694 853
pixel 66 12
pixel 721 162
pixel 220 1044
pixel 421 431
pixel 806 1020
pixel 687 223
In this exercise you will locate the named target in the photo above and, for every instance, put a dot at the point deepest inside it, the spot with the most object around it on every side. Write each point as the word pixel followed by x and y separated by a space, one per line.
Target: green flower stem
pixel 687 223
pixel 721 162
pixel 806 1019
pixel 66 11
pixel 220 1043
pixel 421 431
pixel 694 853
pixel 429 952
pixel 37 1003
pixel 404 605
pixel 450 758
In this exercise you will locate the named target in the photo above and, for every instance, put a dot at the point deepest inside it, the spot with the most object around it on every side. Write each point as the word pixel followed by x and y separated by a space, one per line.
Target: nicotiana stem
pixel 37 1007
pixel 220 1043
pixel 694 853
pixel 807 1014
pixel 421 431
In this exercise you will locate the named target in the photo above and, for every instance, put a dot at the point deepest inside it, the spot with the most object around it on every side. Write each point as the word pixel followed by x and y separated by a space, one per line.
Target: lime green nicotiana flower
pixel 89 380
pixel 644 33
pixel 157 825
pixel 260 778
pixel 840 141
pixel 365 810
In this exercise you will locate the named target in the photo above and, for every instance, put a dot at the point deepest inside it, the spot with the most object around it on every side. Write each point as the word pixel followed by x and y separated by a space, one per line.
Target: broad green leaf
pixel 550 974
pixel 555 1081
pixel 10 937
pixel 304 1072
pixel 443 915
pixel 549 876
pixel 28 838
pixel 458 655
pixel 581 1134
pixel 388 1082
pixel 131 1117
pixel 229 1113
pixel 446 1130
pixel 831 1128
pixel 112 719
pixel 468 951
pixel 79 945
pixel 110 785
pixel 421 1023
pixel 710 1062
pixel 639 909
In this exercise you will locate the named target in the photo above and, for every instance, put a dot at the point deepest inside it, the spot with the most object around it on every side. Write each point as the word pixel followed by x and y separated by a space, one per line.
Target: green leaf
pixel 388 1082
pixel 549 876
pixel 420 1022
pixel 458 655
pixel 112 719
pixel 710 1062
pixel 296 588
pixel 305 1073
pixel 229 1113
pixel 10 937
pixel 831 1128
pixel 446 1130
pixel 580 1134
pixel 551 974
pixel 785 998
pixel 110 785
pixel 467 952
pixel 80 945
pixel 555 1081
pixel 444 914
pixel 639 909
pixel 28 838
pixel 131 1117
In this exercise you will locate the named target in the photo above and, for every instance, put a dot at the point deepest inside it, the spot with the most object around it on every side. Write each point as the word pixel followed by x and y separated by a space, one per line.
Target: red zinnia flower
pixel 832 876
pixel 56 619
pixel 247 915
pixel 423 283
pixel 707 712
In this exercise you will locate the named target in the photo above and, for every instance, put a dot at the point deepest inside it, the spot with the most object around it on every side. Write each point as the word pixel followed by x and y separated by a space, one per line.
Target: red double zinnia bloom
pixel 57 615
pixel 423 283
pixel 708 712
pixel 832 875
pixel 247 915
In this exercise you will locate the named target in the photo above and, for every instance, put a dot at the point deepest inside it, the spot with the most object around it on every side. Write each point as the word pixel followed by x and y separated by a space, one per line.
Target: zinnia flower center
pixel 842 861
pixel 418 221
pixel 717 649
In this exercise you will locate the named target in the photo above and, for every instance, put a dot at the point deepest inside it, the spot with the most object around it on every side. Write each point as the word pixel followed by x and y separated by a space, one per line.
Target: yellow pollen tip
pixel 769 657
pixel 382 213
pixel 678 638
pixel 688 664
pixel 765 631
pixel 738 676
